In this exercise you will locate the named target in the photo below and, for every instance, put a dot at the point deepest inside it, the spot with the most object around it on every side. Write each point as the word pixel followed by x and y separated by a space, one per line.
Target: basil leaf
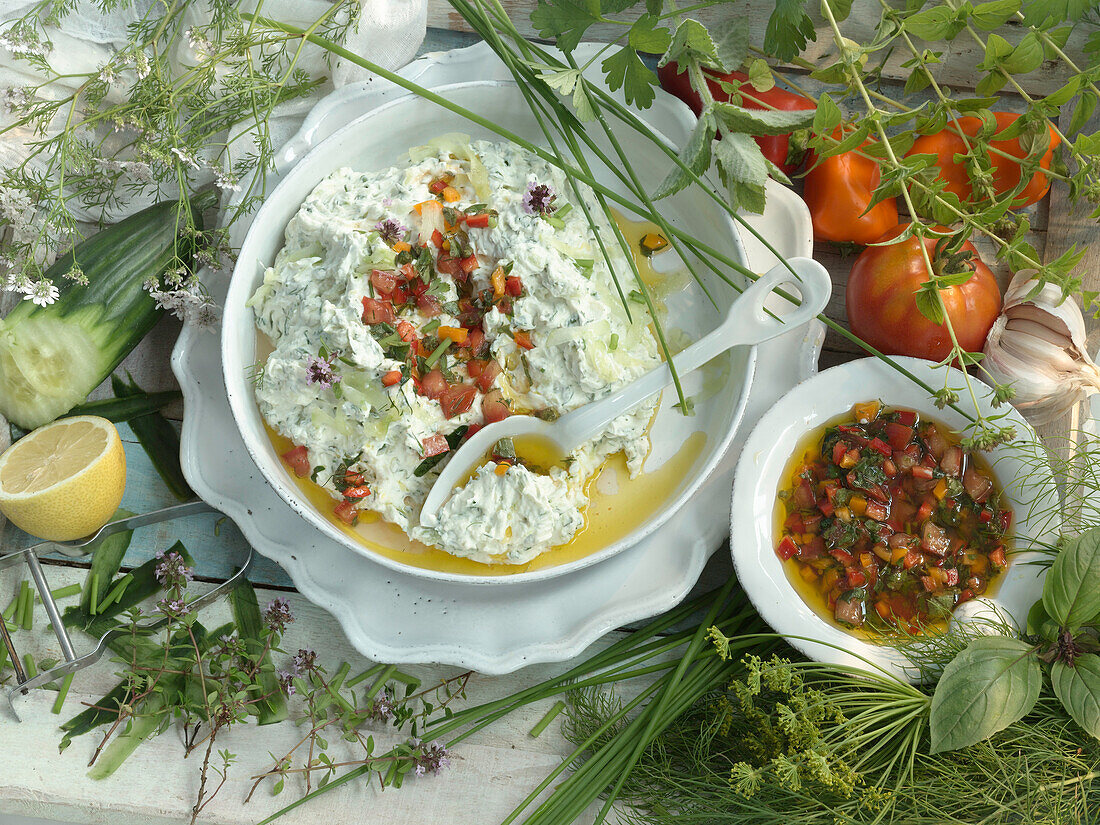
pixel 1071 592
pixel 1078 687
pixel 994 682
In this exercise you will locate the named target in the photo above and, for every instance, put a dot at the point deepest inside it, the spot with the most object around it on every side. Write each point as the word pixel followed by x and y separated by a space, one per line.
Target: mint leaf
pixel 625 70
pixel 743 171
pixel 693 41
pixel 994 682
pixel 565 21
pixel 695 155
pixel 789 29
pixel 646 37
pixel 732 44
pixel 991 16
pixel 762 121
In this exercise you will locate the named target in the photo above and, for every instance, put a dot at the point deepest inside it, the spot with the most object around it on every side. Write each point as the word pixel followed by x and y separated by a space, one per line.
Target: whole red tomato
pixel 882 307
pixel 947 143
pixel 776 148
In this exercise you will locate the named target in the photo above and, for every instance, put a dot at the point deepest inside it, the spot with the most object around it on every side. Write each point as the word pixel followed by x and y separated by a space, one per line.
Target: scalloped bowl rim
pixel 242 401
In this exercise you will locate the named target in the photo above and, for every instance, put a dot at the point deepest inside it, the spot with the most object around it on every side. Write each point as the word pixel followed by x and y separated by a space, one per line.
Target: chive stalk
pixel 547 718
pixel 29 666
pixel 66 592
pixel 59 703
pixel 28 608
pixel 93 594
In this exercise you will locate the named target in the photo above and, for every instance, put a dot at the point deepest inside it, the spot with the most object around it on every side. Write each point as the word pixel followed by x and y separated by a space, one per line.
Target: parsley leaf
pixel 789 29
pixel 625 70
pixel 566 21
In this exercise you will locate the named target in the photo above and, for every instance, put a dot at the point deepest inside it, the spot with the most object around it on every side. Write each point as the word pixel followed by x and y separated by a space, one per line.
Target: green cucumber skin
pixel 109 315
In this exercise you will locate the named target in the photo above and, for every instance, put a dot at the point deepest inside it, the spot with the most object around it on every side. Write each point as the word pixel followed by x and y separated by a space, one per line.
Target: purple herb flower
pixel 390 231
pixel 172 572
pixel 319 371
pixel 304 661
pixel 539 199
pixel 381 709
pixel 286 681
pixel 278 615
pixel 173 608
pixel 429 758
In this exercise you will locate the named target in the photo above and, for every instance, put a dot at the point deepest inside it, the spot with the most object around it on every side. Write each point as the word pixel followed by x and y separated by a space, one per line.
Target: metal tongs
pixel 71 661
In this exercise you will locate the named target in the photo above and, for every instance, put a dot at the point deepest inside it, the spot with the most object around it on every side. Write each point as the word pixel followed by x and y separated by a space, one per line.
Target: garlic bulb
pixel 1038 346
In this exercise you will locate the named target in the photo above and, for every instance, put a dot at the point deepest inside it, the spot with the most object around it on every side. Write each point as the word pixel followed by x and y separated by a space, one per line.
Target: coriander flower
pixel 186 156
pixel 319 371
pixel 390 230
pixel 107 74
pixel 17 98
pixel 278 615
pixel 226 181
pixel 539 199
pixel 43 292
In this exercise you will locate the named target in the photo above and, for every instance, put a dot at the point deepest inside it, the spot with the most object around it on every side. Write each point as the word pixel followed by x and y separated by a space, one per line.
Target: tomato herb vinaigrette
pixel 885 522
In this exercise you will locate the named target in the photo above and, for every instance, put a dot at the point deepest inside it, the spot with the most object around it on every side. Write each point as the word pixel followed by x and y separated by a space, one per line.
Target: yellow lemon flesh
pixel 64 480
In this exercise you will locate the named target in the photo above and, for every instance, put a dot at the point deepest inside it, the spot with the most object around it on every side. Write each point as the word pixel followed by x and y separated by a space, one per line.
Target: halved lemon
pixel 64 480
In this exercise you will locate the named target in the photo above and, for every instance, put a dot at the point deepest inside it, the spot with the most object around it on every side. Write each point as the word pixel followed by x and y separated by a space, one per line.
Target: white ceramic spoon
pixel 746 323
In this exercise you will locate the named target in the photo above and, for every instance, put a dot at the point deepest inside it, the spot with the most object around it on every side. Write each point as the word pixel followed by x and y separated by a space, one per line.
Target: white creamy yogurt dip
pixel 443 294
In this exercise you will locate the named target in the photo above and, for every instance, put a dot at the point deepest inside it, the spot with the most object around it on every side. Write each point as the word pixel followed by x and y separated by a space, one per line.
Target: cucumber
pixel 51 357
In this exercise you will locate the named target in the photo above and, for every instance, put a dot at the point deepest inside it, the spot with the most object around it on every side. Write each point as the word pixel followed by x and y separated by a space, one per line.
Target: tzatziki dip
pixel 411 306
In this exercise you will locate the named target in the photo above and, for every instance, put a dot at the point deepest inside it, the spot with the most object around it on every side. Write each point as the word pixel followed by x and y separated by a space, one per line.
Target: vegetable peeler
pixel 71 662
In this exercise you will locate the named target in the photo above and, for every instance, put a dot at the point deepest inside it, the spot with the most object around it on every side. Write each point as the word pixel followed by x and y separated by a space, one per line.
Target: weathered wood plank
pixel 958 66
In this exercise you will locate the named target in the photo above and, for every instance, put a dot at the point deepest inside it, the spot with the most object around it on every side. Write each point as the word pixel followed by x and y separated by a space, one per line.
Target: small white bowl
pixel 761 468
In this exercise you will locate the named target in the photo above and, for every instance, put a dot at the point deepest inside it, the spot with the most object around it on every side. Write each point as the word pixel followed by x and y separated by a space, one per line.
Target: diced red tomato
pixel 787 549
pixel 839 449
pixel 475 341
pixel 437 186
pixel 1005 519
pixel 390 378
pixel 907 418
pixel 966 595
pixel 356 493
pixel 472 430
pixel 408 271
pixel 513 286
pixel 433 385
pixel 437 238
pixel 523 339
pixel 494 407
pixel 920 471
pixel 925 509
pixel 812 550
pixel 384 280
pixel 997 557
pixel 457 399
pixel 429 305
pixel 478 221
pixel 877 510
pixel 826 507
pixel 881 447
pixel 434 445
pixel 843 556
pixel 346 512
pixel 985 516
pixel 952 576
pixel 889 468
pixel 298 461
pixel 856 578
pixel 794 523
pixel 377 312
pixel 451 266
pixel 406 331
pixel 898 435
pixel 912 559
pixel 468 264
pixel 928 582
pixel 488 375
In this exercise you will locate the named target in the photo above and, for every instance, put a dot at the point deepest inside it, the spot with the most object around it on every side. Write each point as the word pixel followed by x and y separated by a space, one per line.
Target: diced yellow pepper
pixel 940 490
pixel 866 412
